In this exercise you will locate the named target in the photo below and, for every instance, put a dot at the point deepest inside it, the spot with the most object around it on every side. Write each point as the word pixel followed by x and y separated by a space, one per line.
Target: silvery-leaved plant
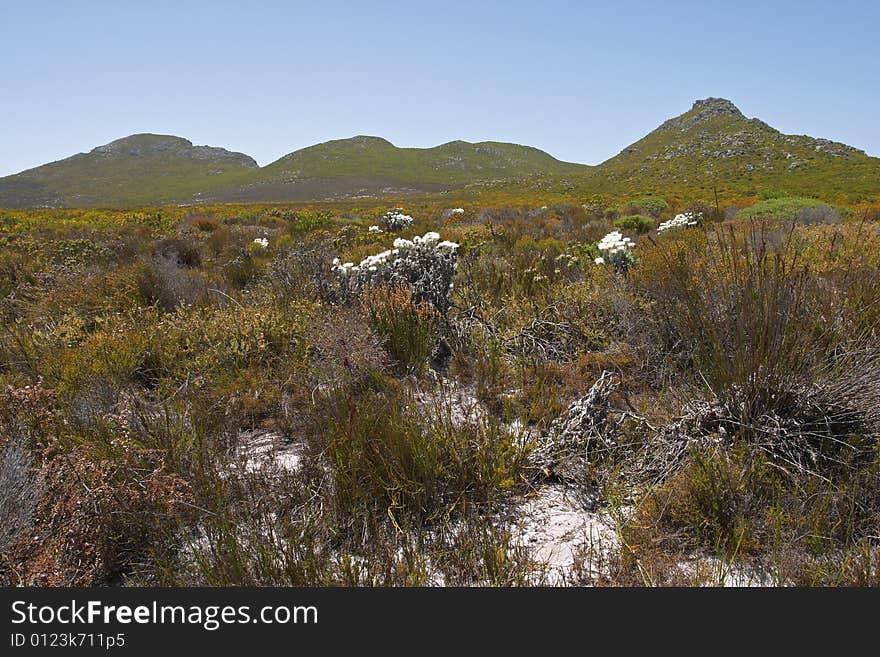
pixel 424 263
pixel 396 220
pixel 680 221
pixel 616 251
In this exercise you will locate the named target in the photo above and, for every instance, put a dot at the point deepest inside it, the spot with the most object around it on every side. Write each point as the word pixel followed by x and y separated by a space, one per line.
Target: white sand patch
pixel 711 571
pixel 450 397
pixel 567 541
pixel 260 449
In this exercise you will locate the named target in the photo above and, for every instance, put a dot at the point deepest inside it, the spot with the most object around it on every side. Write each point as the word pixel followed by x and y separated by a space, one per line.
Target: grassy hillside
pixel 710 148
pixel 713 146
pixel 137 170
pixel 156 169
pixel 456 162
pixel 370 166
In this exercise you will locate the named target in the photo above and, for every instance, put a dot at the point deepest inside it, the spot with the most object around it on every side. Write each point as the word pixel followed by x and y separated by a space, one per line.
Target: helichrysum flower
pixel 614 242
pixel 397 220
pixel 425 263
pixel 680 221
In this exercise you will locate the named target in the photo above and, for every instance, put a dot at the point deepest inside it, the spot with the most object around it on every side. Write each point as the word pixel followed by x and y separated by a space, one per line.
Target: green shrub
pixel 241 270
pixel 636 223
pixel 306 221
pixel 653 206
pixel 806 209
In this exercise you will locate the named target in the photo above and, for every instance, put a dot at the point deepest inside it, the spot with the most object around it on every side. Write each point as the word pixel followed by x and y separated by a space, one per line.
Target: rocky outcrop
pixel 162 145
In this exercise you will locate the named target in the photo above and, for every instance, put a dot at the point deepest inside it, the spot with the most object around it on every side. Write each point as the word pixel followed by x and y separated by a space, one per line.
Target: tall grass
pixel 409 329
pixel 758 323
pixel 415 465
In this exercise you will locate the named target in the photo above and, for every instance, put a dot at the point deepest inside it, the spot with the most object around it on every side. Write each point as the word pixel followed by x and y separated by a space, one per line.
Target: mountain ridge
pixel 712 144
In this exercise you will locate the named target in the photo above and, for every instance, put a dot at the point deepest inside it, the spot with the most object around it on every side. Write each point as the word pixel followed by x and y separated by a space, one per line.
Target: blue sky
pixel 580 80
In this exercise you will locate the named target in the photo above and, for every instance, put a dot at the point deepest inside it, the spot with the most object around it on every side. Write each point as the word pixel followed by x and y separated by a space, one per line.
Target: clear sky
pixel 580 80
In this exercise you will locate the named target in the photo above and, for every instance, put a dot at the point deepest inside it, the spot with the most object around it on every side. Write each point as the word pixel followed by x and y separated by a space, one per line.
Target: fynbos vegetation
pixel 257 395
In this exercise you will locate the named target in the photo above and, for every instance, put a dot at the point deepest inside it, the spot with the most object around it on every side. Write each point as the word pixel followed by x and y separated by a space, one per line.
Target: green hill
pixel 715 145
pixel 712 146
pixel 371 166
pixel 137 170
pixel 156 169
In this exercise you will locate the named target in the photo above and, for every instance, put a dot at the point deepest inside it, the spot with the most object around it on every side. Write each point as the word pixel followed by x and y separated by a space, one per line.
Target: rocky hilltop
pixel 164 145
pixel 714 143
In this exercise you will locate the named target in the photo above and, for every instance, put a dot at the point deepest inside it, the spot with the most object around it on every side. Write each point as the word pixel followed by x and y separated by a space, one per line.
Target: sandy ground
pixel 568 538
pixel 568 542
pixel 261 448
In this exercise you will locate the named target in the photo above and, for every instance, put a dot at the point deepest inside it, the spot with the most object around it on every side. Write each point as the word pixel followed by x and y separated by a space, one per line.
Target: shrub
pixel 636 223
pixel 102 516
pixel 241 269
pixel 219 343
pixel 651 205
pixel 300 271
pixel 219 240
pixel 616 251
pixel 20 489
pixel 415 466
pixel 684 220
pixel 715 501
pixel 822 214
pixel 306 221
pixel 786 208
pixel 409 329
pixel 762 334
pixel 344 348
pixel 163 283
pixel 741 310
pixel 424 264
pixel 204 224
pixel 395 220
pixel 179 252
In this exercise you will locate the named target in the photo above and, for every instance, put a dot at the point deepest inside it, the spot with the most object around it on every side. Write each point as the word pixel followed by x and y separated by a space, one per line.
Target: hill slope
pixel 155 169
pixel 714 144
pixel 140 169
pixel 711 146
pixel 366 165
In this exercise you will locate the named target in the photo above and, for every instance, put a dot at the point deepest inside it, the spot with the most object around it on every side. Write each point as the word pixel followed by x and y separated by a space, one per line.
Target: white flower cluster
pixel 395 220
pixel 424 263
pixel 375 229
pixel 456 211
pixel 614 242
pixel 680 221
pixel 262 241
pixel 617 251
